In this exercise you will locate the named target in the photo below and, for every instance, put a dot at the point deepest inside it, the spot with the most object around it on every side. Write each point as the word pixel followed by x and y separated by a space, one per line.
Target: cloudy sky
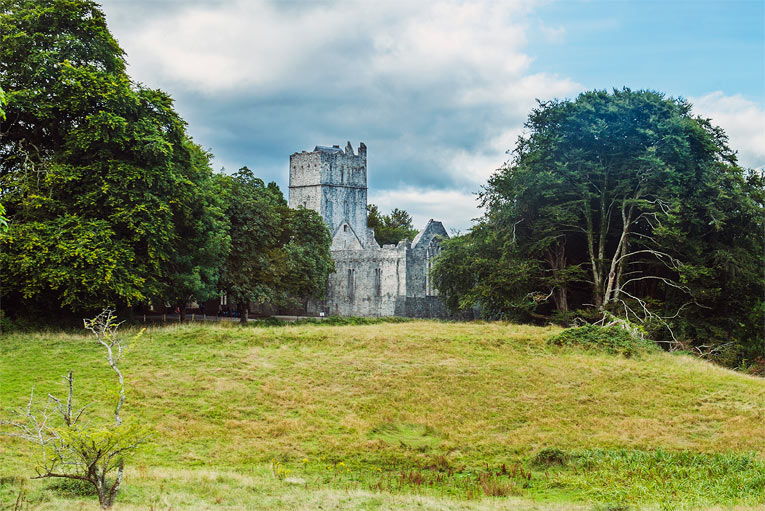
pixel 437 90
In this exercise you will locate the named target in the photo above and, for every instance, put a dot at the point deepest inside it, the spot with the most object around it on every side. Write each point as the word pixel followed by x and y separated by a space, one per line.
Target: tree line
pixel 615 205
pixel 620 205
pixel 109 202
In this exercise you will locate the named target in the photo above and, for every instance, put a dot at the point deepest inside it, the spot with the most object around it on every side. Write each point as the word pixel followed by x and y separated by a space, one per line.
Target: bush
pixel 73 488
pixel 610 339
pixel 550 456
pixel 756 368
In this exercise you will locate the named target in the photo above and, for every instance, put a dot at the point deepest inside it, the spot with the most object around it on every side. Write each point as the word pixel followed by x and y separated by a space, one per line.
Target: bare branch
pixel 104 327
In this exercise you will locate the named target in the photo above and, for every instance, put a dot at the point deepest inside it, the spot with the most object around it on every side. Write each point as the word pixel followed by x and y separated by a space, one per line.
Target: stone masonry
pixel 369 280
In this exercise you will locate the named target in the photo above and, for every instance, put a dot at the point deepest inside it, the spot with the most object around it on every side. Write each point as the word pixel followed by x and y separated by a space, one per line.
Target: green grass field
pixel 415 415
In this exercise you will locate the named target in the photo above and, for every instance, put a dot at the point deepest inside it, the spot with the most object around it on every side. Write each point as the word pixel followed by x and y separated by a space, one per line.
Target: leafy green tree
pixel 203 230
pixel 392 228
pixel 100 182
pixel 3 220
pixel 253 269
pixel 627 204
pixel 309 262
pixel 277 254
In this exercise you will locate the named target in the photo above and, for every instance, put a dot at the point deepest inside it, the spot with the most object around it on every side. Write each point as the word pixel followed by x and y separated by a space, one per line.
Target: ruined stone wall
pixel 305 181
pixel 368 282
pixel 424 248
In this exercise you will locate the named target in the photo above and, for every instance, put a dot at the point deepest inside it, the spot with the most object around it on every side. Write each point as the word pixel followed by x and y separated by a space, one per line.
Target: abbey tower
pixel 333 183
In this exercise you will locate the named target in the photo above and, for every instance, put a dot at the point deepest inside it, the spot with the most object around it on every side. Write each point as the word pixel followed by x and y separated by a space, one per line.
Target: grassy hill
pixel 414 415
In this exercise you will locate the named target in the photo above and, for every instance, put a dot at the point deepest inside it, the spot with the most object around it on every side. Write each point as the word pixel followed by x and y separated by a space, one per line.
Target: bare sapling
pixel 70 448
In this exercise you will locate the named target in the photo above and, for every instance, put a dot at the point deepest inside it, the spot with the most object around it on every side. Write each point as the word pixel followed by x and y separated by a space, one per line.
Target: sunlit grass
pixel 417 412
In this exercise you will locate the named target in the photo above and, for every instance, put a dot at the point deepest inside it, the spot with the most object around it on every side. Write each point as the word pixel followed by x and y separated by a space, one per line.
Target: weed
pixel 21 503
pixel 11 480
pixel 278 470
pixel 439 463
pixel 493 486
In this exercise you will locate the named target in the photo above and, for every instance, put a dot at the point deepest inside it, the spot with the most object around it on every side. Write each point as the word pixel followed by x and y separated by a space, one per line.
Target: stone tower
pixel 333 182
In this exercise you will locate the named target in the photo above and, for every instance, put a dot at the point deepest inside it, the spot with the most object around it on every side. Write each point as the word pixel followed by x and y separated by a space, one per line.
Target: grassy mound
pixel 413 415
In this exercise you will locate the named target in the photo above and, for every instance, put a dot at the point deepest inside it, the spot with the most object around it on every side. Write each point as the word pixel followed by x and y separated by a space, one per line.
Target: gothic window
pixel 434 248
pixel 378 282
pixel 351 283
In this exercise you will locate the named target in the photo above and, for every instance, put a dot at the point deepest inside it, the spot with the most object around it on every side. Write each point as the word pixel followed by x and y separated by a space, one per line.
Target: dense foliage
pixel 611 339
pixel 277 254
pixel 107 200
pixel 620 203
pixel 99 179
pixel 392 228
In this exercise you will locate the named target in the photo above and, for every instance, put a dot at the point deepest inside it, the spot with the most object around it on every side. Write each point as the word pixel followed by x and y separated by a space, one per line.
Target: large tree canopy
pixel 277 254
pixel 108 200
pixel 622 203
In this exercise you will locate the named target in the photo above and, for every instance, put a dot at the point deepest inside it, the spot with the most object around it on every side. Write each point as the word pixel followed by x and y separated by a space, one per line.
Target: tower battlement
pixel 329 166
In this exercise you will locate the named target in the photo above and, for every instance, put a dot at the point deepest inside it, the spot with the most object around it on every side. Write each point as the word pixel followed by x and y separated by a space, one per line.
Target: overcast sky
pixel 438 91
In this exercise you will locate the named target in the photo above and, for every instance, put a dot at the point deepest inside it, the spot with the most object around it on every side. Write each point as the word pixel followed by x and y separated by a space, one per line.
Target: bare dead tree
pixel 104 327
pixel 72 450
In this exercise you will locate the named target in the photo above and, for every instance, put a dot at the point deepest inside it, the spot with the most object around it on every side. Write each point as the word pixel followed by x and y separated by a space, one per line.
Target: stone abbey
pixel 369 280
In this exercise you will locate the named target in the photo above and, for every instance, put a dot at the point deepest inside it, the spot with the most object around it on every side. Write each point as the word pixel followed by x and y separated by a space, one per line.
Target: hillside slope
pixel 363 408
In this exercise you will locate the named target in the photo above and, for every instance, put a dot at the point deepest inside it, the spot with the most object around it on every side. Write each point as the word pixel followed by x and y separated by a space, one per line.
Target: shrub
pixel 756 368
pixel 73 488
pixel 611 339
pixel 550 456
pixel 496 487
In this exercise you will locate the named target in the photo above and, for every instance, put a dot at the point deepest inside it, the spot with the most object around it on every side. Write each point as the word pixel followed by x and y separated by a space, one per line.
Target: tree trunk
pixel 619 251
pixel 595 264
pixel 560 298
pixel 182 313
pixel 556 258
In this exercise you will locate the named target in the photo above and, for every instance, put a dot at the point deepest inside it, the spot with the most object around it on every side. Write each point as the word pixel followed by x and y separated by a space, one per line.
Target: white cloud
pixel 743 120
pixel 266 45
pixel 454 208
pixel 431 87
